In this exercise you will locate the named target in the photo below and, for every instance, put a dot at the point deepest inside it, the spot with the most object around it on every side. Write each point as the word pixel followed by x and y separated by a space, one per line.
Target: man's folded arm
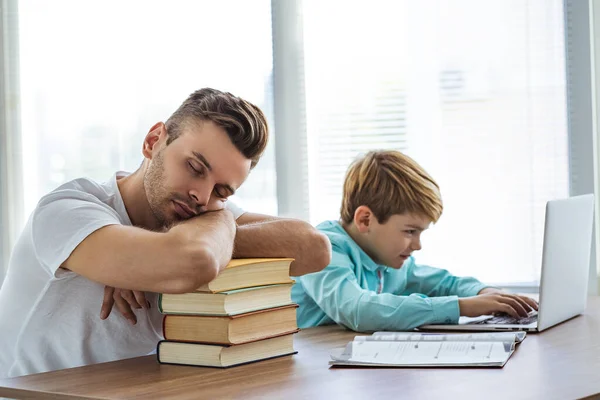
pixel 176 261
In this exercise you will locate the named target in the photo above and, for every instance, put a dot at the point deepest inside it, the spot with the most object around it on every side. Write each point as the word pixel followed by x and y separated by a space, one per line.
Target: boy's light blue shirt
pixel 350 292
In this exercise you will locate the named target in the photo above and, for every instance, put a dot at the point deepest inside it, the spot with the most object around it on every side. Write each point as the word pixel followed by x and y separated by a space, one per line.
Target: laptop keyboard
pixel 507 319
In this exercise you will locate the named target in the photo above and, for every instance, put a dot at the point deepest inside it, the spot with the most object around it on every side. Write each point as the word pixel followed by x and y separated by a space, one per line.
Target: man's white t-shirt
pixel 49 316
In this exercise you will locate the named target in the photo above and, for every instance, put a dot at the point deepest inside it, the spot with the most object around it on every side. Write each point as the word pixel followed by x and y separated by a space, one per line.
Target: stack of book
pixel 246 314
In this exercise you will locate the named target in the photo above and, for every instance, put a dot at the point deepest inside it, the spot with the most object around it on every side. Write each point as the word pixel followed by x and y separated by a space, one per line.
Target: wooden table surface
pixel 561 363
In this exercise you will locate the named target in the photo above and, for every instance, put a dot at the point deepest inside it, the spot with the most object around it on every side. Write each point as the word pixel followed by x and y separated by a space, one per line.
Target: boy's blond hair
pixel 389 182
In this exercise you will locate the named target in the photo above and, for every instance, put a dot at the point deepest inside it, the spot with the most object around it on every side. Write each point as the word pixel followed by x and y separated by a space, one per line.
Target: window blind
pixel 475 91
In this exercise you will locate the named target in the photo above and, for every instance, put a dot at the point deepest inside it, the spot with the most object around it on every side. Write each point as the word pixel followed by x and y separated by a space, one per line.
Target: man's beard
pixel 157 195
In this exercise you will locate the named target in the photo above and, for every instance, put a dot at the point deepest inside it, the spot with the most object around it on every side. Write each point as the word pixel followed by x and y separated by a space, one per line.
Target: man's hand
pixel 125 301
pixel 495 302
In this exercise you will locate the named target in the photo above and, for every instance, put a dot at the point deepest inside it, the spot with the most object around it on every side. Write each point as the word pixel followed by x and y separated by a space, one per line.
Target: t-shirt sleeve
pixel 61 221
pixel 234 208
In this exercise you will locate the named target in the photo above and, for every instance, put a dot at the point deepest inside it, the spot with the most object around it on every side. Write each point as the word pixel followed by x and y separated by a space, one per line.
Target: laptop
pixel 565 271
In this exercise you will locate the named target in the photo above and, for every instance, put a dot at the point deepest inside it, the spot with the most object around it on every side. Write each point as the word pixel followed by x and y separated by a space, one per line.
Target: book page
pixel 403 353
pixel 456 337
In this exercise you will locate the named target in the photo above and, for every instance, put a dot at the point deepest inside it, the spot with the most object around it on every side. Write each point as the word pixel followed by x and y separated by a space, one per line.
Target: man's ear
pixel 362 218
pixel 157 131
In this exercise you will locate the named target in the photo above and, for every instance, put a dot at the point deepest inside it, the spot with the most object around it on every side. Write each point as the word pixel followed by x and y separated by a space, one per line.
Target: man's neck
pixel 135 200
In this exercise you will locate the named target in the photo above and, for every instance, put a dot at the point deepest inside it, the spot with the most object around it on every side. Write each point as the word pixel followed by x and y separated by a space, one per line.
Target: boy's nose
pixel 416 244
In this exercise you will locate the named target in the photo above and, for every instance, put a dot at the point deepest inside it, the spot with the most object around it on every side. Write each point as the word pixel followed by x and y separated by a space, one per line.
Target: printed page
pixel 425 353
pixel 456 337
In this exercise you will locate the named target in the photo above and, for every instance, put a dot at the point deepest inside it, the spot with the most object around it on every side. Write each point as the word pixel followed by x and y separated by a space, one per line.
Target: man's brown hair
pixel 244 122
pixel 389 183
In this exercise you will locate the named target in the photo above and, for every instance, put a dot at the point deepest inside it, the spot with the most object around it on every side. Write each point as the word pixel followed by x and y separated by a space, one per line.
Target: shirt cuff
pixel 445 309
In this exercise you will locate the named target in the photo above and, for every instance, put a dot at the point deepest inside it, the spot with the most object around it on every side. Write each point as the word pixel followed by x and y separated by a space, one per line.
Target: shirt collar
pixel 366 261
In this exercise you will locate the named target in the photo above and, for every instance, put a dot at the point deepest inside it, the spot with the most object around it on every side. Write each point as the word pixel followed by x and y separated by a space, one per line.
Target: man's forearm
pixel 214 231
pixel 179 260
pixel 284 238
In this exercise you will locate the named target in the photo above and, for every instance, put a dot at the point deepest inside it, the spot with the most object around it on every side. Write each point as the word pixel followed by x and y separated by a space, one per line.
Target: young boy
pixel 373 282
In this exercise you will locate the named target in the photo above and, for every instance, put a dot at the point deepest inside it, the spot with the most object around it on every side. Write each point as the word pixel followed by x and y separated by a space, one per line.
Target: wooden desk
pixel 561 363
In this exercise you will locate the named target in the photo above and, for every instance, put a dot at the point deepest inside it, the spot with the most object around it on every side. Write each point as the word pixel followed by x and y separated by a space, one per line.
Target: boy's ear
pixel 152 138
pixel 362 218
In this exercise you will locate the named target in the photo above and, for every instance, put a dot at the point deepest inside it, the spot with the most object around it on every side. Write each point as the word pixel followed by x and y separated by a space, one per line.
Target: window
pixel 96 76
pixel 474 90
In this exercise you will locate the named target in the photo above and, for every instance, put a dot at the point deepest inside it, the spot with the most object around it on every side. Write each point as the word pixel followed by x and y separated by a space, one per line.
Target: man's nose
pixel 201 196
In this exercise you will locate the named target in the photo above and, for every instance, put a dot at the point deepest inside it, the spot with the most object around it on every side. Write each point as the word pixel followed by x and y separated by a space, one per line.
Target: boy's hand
pixel 490 290
pixel 495 302
pixel 125 300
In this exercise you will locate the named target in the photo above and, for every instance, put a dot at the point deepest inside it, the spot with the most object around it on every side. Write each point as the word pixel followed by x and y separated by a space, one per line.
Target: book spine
pixel 160 308
pixel 158 352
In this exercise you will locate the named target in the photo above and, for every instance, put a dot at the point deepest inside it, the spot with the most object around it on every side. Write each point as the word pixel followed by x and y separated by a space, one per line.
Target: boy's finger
pixel 506 308
pixel 531 302
pixel 521 300
pixel 523 303
pixel 516 305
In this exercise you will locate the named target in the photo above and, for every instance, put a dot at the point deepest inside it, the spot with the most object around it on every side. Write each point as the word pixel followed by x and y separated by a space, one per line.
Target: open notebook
pixel 408 349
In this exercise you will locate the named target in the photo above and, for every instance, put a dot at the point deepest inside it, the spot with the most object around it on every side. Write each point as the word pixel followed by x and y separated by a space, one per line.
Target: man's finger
pixel 141 299
pixel 124 308
pixel 107 302
pixel 128 296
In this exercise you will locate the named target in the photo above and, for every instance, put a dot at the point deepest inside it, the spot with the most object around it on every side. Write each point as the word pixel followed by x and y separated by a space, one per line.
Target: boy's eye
pixel 411 231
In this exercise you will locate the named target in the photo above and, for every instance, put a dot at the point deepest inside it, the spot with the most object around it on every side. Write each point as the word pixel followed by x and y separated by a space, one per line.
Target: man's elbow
pixel 322 251
pixel 318 254
pixel 200 267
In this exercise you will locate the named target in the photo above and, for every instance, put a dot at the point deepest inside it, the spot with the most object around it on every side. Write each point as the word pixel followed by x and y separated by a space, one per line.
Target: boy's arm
pixel 338 294
pixel 476 298
pixel 435 282
pixel 265 236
